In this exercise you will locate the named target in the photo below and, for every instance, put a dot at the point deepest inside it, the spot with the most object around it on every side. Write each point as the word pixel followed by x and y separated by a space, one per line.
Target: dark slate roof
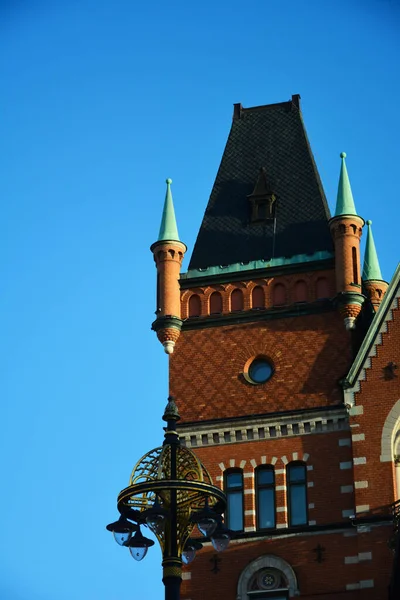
pixel 272 137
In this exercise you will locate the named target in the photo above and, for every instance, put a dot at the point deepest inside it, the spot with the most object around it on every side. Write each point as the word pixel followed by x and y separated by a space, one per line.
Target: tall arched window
pixel 300 291
pixel 234 495
pixel 194 306
pixel 257 297
pixel 265 500
pixel 322 288
pixel 215 303
pixel 297 493
pixel 236 300
pixel 279 295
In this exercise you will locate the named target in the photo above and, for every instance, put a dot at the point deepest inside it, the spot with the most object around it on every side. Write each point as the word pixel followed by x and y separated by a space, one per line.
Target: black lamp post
pixel 170 492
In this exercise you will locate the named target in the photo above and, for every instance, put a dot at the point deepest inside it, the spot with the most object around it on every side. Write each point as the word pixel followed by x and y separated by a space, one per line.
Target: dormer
pixel 262 200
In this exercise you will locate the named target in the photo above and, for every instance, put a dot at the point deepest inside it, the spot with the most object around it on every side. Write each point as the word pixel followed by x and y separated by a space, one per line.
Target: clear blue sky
pixel 100 102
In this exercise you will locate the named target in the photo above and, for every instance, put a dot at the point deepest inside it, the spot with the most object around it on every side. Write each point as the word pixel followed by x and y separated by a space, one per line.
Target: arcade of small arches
pixel 261 295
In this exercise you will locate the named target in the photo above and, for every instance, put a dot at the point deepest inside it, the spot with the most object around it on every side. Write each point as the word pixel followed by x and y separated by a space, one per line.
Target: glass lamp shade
pixel 188 555
pixel 207 526
pixel 156 523
pixel 138 545
pixel 121 537
pixel 221 540
pixel 138 553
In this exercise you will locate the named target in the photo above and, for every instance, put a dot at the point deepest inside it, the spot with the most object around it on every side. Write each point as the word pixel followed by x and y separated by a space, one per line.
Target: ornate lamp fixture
pixel 170 492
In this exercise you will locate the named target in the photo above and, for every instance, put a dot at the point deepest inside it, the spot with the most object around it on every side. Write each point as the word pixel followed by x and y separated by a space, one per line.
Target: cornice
pixel 263 427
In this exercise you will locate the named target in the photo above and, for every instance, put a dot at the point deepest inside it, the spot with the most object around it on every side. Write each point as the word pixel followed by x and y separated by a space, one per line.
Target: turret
pixel 168 252
pixel 346 229
pixel 373 284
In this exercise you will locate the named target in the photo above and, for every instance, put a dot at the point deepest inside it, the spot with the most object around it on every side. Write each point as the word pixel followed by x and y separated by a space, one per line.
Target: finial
pixel 369 222
pixel 168 228
pixel 171 410
pixel 344 203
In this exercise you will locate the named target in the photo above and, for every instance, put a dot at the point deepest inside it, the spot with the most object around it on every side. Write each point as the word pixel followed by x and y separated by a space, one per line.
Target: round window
pixel 260 370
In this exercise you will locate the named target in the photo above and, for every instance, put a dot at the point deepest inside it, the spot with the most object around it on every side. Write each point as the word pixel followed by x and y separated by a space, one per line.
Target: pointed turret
pixel 168 227
pixel 346 229
pixel 374 286
pixel 168 253
pixel 344 202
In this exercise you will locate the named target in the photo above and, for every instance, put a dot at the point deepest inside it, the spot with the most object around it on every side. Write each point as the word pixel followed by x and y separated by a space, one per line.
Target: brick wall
pixel 309 354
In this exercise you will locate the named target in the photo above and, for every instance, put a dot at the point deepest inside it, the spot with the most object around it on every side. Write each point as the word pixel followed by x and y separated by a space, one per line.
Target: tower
pixel 168 252
pixel 346 228
pixel 270 385
pixel 374 286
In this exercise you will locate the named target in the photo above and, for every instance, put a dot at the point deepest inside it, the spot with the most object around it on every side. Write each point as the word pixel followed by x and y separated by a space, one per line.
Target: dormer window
pixel 262 200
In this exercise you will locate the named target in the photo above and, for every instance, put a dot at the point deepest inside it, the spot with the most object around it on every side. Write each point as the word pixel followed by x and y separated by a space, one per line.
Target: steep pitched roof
pixel 272 138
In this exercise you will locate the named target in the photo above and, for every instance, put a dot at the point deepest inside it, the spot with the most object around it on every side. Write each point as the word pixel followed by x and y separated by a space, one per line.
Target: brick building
pixel 283 361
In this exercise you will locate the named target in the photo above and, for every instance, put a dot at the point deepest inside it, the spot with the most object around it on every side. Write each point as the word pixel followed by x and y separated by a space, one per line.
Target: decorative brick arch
pixel 264 562
pixel 390 428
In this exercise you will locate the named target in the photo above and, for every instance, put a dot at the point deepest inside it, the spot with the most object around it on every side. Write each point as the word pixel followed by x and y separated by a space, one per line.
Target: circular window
pixel 260 370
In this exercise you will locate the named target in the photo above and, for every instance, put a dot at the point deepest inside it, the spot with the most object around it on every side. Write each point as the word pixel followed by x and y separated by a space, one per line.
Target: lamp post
pixel 170 492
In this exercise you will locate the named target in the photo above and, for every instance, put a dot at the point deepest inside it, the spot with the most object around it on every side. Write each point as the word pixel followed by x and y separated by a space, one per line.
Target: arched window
pixel 194 306
pixel 215 303
pixel 267 577
pixel 236 300
pixel 297 493
pixel 279 295
pixel 322 288
pixel 265 502
pixel 300 291
pixel 234 495
pixel 257 297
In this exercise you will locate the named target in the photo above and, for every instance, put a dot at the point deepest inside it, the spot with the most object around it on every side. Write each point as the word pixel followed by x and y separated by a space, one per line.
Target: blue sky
pixel 100 102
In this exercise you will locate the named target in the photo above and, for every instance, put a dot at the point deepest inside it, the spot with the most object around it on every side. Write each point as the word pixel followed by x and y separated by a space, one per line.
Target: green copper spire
pixel 168 228
pixel 371 269
pixel 344 203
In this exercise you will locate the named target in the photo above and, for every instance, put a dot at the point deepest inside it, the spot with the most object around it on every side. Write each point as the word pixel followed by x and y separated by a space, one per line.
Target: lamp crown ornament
pixel 171 492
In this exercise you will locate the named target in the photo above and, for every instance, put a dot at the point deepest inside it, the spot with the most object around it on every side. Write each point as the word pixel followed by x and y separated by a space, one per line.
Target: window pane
pixel 265 476
pixel 234 480
pixel 297 473
pixel 235 511
pixel 266 508
pixel 298 508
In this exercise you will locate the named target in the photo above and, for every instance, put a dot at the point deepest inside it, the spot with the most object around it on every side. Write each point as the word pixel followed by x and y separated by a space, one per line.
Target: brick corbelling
pixel 309 355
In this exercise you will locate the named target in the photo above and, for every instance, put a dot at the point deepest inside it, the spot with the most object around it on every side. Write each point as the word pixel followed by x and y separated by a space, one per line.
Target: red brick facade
pixel 311 354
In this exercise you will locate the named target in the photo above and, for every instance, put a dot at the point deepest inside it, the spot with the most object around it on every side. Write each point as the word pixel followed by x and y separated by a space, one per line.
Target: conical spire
pixel 168 228
pixel 344 203
pixel 371 269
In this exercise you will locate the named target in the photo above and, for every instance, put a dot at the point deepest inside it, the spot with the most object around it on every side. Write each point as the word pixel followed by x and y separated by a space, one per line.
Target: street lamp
pixel 170 492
